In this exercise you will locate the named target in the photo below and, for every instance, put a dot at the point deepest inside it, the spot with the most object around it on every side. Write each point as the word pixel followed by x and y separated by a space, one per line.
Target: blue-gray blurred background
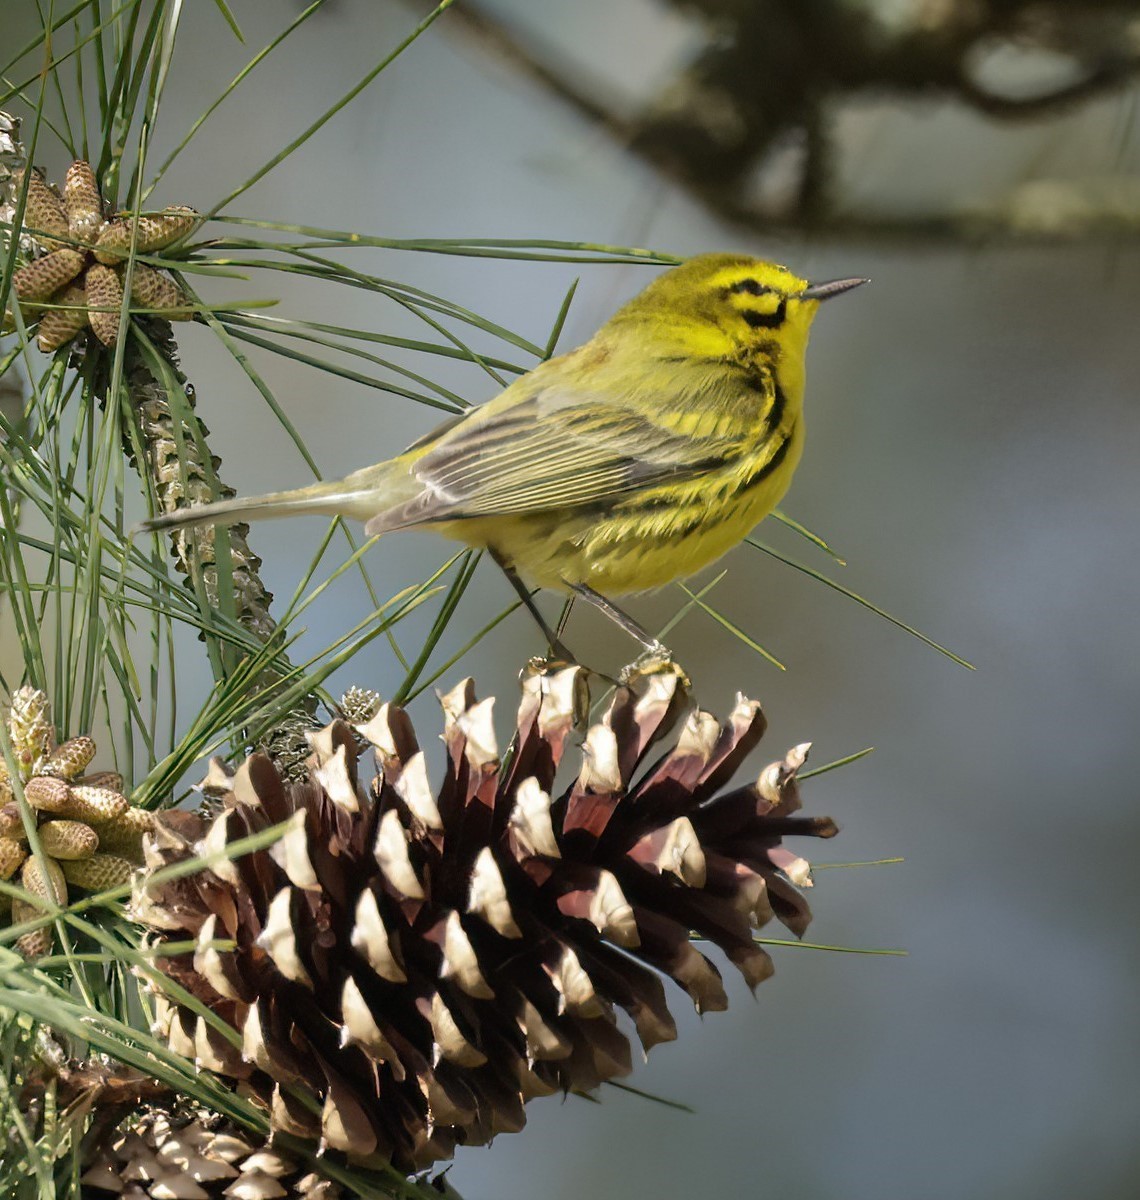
pixel 973 454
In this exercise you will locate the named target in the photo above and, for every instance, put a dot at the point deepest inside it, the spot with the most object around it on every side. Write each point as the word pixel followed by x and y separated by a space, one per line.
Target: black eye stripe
pixel 751 286
pixel 762 320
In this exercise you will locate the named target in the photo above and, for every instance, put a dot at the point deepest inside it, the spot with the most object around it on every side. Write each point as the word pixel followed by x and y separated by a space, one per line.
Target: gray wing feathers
pixel 545 452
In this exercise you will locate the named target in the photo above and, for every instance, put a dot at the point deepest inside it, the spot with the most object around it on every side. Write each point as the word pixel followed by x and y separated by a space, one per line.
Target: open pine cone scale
pixel 409 965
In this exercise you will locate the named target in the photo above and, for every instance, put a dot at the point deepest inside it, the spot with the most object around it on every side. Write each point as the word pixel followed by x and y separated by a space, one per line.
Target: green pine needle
pixel 838 587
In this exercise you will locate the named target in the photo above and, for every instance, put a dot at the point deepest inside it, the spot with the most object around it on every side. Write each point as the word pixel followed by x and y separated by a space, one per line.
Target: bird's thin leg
pixel 622 619
pixel 567 609
pixel 553 641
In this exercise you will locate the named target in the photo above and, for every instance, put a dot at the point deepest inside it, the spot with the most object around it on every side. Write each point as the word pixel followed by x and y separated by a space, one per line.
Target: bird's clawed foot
pixel 656 660
pixel 549 663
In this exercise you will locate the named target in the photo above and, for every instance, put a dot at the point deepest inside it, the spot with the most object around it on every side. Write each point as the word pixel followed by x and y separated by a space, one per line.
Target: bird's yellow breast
pixel 645 542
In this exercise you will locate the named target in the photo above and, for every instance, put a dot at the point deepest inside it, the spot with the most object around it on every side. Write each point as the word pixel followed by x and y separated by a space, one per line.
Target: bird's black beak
pixel 834 287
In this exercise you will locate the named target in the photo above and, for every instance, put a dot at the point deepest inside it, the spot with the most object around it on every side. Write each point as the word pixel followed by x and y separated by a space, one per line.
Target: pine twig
pixel 176 463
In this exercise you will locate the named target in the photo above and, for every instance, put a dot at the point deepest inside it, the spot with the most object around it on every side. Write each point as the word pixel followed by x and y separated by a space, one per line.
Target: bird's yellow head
pixel 730 305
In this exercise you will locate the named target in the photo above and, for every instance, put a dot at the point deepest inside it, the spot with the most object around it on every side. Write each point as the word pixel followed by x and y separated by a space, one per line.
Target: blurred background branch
pixel 747 125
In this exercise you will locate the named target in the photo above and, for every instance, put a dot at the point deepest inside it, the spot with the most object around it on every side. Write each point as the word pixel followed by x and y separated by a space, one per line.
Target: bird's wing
pixel 552 449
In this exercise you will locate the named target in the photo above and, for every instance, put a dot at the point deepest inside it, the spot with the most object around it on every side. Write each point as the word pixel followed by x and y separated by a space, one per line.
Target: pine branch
pixel 180 471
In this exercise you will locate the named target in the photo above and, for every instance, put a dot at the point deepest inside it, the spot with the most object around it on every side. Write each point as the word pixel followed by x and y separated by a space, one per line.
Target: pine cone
pixel 419 965
pixel 197 1157
pixel 359 705
pixel 144 1142
pixel 89 835
pixel 83 275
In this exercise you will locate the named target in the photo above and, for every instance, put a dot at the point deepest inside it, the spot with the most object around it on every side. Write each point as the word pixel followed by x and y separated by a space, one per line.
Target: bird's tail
pixel 342 497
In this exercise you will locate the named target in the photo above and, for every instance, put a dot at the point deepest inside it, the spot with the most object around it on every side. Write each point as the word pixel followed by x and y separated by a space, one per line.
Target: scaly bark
pixel 181 478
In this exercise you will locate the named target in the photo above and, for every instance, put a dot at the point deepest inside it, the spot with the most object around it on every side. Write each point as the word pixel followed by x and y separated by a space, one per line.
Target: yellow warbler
pixel 632 461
